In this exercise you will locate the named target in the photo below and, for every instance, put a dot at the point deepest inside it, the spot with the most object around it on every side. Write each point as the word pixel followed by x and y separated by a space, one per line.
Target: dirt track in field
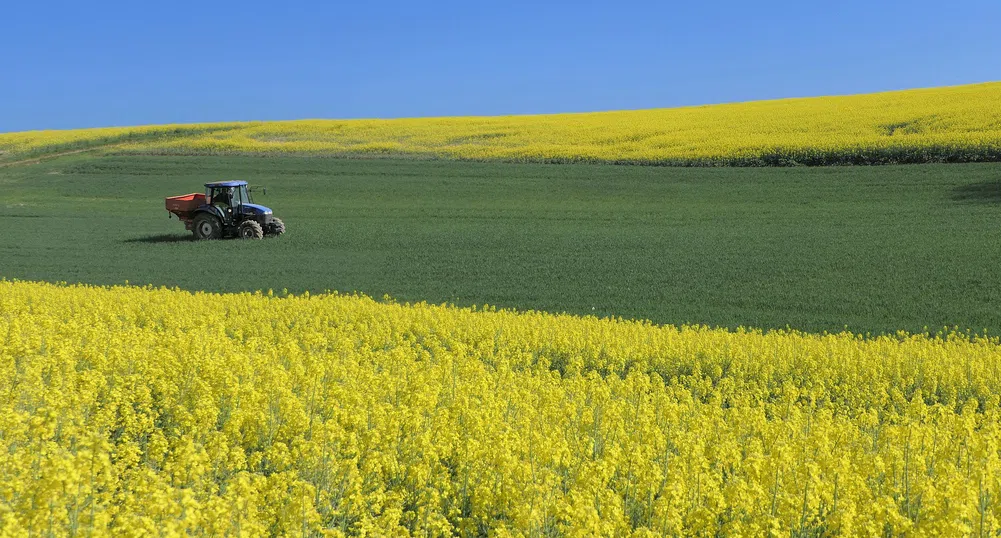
pixel 40 158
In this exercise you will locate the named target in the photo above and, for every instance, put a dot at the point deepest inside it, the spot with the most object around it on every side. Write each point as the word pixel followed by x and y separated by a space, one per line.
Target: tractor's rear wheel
pixel 277 227
pixel 207 227
pixel 251 230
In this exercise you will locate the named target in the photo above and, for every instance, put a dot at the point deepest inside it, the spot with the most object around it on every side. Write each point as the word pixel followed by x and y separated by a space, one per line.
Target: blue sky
pixel 88 64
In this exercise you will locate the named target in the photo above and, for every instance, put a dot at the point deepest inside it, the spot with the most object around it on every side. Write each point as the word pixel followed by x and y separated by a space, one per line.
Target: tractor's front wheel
pixel 207 227
pixel 251 230
pixel 277 227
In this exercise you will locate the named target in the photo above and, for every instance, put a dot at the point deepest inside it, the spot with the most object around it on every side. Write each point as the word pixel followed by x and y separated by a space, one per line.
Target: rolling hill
pixel 948 124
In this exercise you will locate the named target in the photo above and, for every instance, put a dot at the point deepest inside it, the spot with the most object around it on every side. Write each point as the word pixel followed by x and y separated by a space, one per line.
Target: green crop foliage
pixel 871 248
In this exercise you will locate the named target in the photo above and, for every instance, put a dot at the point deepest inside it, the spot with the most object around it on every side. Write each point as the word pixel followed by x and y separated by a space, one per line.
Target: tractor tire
pixel 207 227
pixel 251 230
pixel 277 227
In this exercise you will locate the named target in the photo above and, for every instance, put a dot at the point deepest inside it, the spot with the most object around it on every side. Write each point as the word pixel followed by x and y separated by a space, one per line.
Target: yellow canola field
pixel 135 411
pixel 948 124
pixel 960 123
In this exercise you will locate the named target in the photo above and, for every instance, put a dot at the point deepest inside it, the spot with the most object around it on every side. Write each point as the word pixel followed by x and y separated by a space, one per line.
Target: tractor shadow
pixel 985 192
pixel 162 238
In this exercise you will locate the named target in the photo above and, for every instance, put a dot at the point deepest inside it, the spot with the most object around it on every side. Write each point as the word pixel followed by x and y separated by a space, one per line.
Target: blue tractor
pixel 225 210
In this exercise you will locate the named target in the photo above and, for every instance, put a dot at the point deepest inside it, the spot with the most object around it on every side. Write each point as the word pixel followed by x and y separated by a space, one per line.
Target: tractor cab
pixel 225 210
pixel 233 199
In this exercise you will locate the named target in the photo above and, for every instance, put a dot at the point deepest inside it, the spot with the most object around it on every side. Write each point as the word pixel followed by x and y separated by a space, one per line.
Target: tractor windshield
pixel 241 195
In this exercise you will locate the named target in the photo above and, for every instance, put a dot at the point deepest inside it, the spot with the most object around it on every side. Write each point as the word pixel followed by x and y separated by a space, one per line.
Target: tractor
pixel 225 210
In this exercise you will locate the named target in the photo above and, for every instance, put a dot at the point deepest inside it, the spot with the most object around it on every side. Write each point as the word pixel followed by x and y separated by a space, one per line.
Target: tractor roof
pixel 226 184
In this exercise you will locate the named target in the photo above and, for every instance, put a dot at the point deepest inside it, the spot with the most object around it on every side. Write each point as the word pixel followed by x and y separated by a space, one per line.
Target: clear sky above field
pixel 85 64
